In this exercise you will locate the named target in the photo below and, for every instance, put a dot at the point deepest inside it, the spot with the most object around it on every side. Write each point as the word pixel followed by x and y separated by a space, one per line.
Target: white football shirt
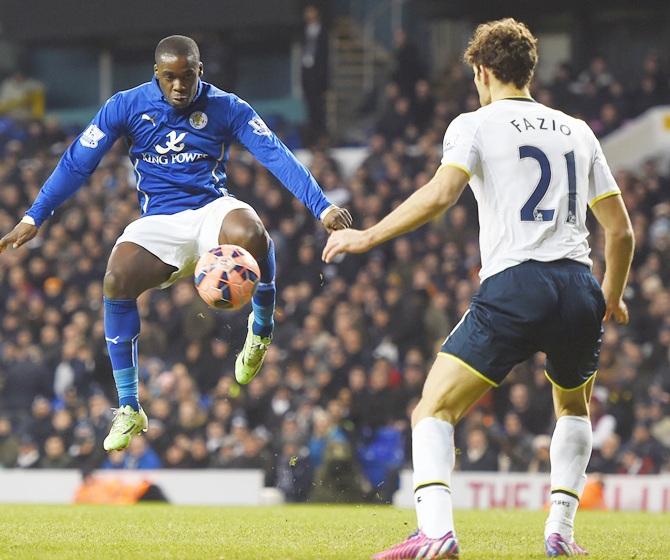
pixel 533 171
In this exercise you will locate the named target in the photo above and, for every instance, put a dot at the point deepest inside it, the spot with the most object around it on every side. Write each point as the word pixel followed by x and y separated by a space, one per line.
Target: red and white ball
pixel 226 277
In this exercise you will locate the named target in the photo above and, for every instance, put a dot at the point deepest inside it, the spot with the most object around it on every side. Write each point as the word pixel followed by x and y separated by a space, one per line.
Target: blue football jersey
pixel 179 155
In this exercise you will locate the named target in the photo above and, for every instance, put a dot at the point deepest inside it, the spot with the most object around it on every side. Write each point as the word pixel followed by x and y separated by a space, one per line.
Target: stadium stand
pixel 327 418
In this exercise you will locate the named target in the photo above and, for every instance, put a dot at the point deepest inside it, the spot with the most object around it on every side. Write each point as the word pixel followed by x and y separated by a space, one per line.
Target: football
pixel 226 277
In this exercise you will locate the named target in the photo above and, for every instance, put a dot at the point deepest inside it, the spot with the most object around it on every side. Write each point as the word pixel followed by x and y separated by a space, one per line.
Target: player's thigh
pixel 231 221
pixel 131 270
pixel 574 402
pixel 450 390
pixel 573 348
pixel 242 226
pixel 496 333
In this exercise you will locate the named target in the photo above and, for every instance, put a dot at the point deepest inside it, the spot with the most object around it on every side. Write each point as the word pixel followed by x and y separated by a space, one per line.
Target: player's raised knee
pixel 118 285
pixel 244 228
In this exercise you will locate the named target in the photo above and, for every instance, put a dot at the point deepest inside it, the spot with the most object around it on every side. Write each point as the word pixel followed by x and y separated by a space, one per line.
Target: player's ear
pixel 201 69
pixel 156 70
pixel 484 75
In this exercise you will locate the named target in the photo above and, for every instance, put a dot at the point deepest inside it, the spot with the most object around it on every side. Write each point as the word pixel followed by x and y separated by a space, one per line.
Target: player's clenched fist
pixel 617 309
pixel 337 218
pixel 22 233
pixel 346 241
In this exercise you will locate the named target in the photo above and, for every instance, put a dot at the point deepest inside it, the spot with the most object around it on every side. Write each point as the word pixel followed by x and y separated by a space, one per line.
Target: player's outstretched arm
pixel 251 131
pixel 431 200
pixel 23 232
pixel 619 245
pixel 79 161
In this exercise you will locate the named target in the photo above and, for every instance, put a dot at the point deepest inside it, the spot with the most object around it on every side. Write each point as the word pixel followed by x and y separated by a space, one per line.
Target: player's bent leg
pixel 243 227
pixel 131 270
pixel 570 451
pixel 450 390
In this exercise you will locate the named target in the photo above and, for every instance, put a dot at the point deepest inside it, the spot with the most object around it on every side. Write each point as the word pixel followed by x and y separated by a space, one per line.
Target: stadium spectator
pixel 314 73
pixel 324 432
pixel 140 456
pixel 294 472
pixel 516 445
pixel 21 97
pixel 55 455
pixel 540 461
pixel 29 454
pixel 408 64
pixel 644 445
pixel 85 451
pixel 604 425
pixel 9 444
pixel 478 454
pixel 339 478
pixel 605 460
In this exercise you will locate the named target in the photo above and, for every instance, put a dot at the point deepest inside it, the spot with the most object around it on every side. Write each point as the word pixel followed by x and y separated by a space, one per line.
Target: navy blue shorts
pixel 554 307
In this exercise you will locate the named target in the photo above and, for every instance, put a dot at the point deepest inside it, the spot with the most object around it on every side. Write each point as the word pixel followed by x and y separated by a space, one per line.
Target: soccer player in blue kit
pixel 534 171
pixel 179 130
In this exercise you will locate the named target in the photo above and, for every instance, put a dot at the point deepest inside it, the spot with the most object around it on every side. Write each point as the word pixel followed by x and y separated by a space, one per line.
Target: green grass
pixel 300 532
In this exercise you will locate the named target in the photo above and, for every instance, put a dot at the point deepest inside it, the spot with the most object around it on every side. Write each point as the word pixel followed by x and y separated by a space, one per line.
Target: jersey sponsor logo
pixel 91 137
pixel 198 120
pixel 173 144
pixel 259 127
pixel 167 159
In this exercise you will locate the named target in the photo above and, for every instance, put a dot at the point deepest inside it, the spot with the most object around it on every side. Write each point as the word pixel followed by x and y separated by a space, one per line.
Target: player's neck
pixel 506 91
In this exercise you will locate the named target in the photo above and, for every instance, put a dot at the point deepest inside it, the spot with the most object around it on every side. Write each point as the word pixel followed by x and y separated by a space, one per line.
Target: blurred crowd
pixel 327 419
pixel 409 105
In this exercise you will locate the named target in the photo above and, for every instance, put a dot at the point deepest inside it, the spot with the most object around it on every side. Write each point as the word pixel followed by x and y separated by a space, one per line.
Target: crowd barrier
pixel 531 491
pixel 245 487
pixel 187 487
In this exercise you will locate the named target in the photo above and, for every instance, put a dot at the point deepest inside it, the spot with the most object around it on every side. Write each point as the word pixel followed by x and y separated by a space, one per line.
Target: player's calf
pixel 130 271
pixel 243 227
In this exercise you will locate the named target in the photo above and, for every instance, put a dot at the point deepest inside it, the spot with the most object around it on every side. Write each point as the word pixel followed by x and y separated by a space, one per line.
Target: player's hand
pixel 614 305
pixel 22 233
pixel 617 309
pixel 337 218
pixel 346 241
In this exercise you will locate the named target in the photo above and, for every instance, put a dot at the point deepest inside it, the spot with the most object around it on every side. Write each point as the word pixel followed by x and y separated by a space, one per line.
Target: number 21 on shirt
pixel 530 211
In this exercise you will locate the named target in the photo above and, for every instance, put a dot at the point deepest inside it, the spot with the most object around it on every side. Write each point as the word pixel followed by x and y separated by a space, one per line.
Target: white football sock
pixel 569 453
pixel 433 458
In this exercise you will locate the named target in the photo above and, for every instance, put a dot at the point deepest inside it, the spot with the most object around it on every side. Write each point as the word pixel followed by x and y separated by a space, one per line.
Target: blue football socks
pixel 122 329
pixel 263 302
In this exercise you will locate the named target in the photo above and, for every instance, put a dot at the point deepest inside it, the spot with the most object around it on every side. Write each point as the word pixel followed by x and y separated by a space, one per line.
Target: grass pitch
pixel 300 532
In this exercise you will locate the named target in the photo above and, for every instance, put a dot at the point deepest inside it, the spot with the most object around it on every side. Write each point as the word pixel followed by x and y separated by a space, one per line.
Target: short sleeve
pixel 601 181
pixel 460 148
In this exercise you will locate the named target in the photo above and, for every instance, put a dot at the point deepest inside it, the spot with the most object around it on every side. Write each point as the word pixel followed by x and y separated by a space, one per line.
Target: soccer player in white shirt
pixel 533 171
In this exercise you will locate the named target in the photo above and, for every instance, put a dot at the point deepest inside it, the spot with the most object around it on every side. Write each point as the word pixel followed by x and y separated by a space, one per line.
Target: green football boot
pixel 126 424
pixel 250 360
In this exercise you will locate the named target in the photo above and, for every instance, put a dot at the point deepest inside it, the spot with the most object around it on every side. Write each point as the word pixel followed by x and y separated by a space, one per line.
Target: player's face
pixel 481 83
pixel 178 78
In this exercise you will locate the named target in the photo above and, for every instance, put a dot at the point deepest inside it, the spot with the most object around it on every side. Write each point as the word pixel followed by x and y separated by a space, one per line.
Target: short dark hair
pixel 507 48
pixel 177 45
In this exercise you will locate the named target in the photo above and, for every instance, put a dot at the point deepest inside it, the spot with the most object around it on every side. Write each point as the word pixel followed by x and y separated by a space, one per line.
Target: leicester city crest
pixel 198 120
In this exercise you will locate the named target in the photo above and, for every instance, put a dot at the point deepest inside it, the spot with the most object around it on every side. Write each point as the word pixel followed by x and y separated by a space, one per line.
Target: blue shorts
pixel 552 307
